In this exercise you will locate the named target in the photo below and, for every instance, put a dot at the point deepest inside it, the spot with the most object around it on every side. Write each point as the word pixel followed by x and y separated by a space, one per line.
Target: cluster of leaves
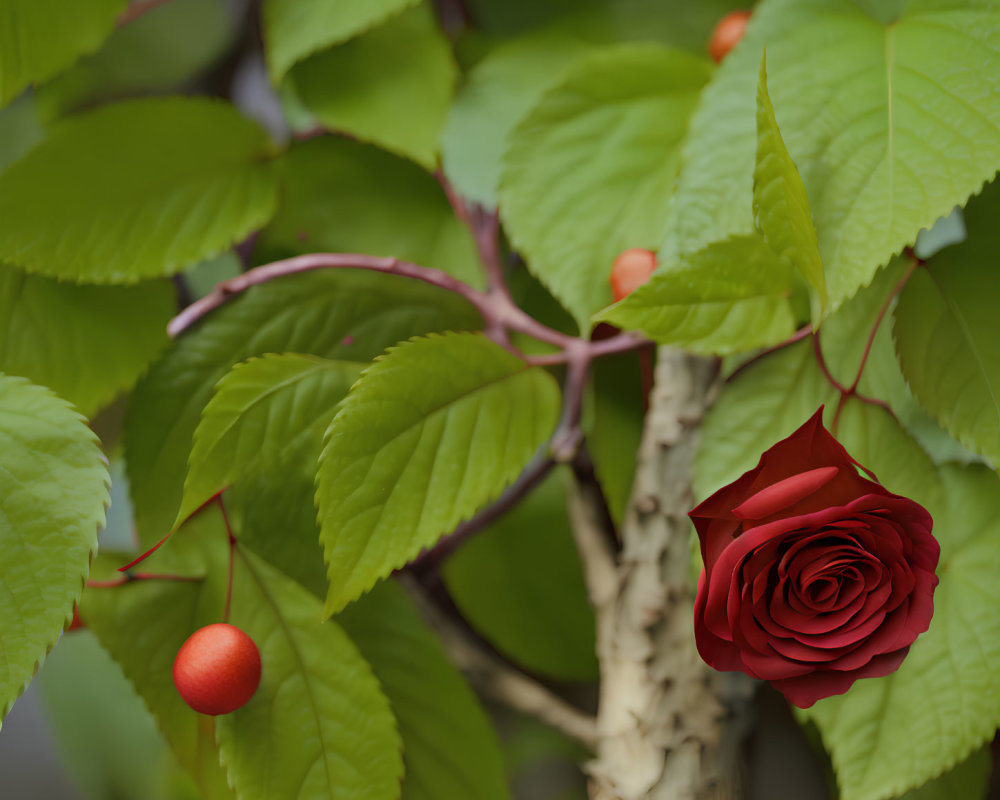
pixel 777 197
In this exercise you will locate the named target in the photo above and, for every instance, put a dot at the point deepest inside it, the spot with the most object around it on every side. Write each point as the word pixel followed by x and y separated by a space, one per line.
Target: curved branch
pixel 492 677
pixel 429 560
pixel 291 266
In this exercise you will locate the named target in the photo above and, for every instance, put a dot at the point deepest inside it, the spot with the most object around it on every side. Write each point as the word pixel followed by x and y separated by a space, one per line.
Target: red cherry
pixel 217 669
pixel 630 271
pixel 726 34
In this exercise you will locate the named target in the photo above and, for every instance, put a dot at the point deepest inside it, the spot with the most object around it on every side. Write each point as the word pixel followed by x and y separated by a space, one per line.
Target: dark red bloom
pixel 814 575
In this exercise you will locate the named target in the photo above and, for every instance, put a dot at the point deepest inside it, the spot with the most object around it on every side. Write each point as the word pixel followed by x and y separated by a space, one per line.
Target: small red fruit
pixel 217 669
pixel 726 34
pixel 630 271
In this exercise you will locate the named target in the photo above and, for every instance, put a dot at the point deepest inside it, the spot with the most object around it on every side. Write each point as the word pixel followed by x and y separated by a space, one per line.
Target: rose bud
pixel 815 576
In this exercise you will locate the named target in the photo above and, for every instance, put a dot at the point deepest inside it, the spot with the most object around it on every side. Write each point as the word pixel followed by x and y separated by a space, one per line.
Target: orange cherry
pixel 726 34
pixel 630 271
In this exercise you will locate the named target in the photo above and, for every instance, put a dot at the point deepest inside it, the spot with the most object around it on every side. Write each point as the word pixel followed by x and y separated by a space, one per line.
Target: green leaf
pixel 347 197
pixel 886 127
pixel 88 343
pixel 615 428
pixel 349 315
pixel 39 38
pixel 54 490
pixel 392 86
pixel 80 683
pixel 970 779
pixel 498 92
pixel 295 29
pixel 21 129
pixel 768 400
pixel 528 557
pixel 882 739
pixel 731 296
pixel 319 724
pixel 433 430
pixel 945 331
pixel 135 190
pixel 144 623
pixel 589 171
pixel 780 204
pixel 260 437
pixel 450 749
pixel 165 46
pixel 256 414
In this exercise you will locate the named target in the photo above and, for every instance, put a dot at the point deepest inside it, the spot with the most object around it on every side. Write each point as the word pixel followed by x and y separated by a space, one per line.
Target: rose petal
pixel 714 650
pixel 771 666
pixel 779 496
pixel 805 690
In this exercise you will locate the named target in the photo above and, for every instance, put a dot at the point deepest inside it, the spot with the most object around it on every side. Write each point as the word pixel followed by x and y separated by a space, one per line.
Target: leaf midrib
pixel 293 646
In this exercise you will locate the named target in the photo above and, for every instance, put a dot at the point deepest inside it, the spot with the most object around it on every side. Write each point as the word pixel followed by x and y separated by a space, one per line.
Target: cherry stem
pixel 144 556
pixel 155 547
pixel 132 577
pixel 232 555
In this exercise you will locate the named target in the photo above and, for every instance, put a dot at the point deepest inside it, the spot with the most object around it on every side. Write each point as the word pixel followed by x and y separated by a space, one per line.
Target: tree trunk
pixel 669 727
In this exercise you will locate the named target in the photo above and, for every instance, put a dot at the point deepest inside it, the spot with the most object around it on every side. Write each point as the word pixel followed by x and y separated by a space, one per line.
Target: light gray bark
pixel 668 727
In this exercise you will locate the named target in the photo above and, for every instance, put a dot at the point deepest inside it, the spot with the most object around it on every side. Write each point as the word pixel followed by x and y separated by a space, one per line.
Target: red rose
pixel 814 575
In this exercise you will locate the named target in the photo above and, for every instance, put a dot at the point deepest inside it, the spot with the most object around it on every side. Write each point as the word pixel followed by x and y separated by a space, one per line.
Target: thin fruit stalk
pixel 669 727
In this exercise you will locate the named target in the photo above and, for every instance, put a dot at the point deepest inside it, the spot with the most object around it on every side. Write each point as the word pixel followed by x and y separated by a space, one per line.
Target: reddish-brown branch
pixel 226 290
pixel 500 314
pixel 852 390
pixel 818 350
pixel 878 320
pixel 429 560
pixel 798 336
pixel 568 436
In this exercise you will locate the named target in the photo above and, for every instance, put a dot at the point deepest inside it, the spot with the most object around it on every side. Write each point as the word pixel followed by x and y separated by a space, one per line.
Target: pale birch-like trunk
pixel 668 726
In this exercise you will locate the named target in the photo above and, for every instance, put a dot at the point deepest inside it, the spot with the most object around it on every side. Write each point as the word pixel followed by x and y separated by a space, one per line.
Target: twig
pixel 568 436
pixel 499 681
pixel 485 226
pixel 798 336
pixel 593 531
pixel 226 290
pixel 531 476
pixel 620 343
pixel 878 320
